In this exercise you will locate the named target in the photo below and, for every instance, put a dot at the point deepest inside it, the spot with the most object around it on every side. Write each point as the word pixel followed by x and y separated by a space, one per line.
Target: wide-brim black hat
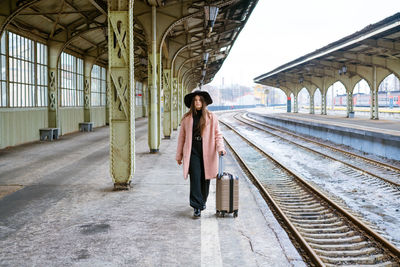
pixel 189 97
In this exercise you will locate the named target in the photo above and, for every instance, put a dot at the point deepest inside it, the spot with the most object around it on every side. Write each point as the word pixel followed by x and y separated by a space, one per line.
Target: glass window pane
pixel 3 43
pixel 3 67
pixel 4 94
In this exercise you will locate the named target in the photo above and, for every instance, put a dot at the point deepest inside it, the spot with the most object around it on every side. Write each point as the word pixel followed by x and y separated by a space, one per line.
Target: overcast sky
pixel 279 31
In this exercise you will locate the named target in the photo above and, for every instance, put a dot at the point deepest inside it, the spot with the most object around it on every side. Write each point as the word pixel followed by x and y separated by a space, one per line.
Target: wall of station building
pixel 24 91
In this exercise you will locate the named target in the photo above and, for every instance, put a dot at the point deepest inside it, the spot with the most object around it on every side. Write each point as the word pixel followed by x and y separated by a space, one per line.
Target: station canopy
pixel 192 30
pixel 376 45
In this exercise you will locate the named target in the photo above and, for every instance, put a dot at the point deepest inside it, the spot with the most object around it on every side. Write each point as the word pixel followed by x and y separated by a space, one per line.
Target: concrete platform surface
pixel 390 127
pixel 64 212
pixel 376 138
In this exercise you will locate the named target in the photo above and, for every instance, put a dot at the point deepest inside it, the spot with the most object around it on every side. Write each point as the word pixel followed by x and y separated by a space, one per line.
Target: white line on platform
pixel 210 246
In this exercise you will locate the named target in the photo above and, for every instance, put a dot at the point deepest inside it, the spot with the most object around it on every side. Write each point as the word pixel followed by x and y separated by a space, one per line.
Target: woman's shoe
pixel 197 213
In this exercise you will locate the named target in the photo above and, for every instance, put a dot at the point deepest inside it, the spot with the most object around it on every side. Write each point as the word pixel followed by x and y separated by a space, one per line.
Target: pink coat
pixel 212 144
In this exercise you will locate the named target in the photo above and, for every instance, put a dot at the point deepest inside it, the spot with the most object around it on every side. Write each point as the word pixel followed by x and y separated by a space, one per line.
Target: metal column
pixel 181 106
pixel 159 102
pixel 167 103
pixel 122 114
pixel 323 99
pixel 54 52
pixel 312 110
pixel 153 90
pixel 350 107
pixel 374 96
pixel 88 65
pixel 175 115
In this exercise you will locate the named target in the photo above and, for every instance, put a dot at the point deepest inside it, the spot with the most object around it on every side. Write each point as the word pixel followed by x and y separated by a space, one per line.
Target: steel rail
pixel 324 145
pixel 299 238
pixel 362 226
pixel 379 163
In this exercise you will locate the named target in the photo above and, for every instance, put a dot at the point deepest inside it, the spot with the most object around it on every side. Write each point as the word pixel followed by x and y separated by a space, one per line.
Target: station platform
pixel 376 137
pixel 57 208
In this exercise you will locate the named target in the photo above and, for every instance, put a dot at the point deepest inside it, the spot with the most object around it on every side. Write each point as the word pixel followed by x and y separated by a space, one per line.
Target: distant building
pixel 260 94
pixel 269 96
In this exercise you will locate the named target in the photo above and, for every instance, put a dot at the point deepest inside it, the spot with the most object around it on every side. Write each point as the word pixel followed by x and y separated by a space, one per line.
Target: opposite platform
pixel 65 213
pixel 376 137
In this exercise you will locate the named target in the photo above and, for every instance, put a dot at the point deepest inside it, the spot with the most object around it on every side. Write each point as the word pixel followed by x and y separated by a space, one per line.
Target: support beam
pixel 122 115
pixel 153 90
pixel 175 115
pixel 54 52
pixel 181 106
pixel 108 97
pixel 88 65
pixel 312 108
pixel 159 102
pixel 167 88
pixel 323 98
pixel 374 96
pixel 100 5
pixel 350 106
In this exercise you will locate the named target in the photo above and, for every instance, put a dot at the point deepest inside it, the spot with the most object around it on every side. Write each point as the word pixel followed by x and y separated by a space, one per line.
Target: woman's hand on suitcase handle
pixel 179 162
pixel 222 152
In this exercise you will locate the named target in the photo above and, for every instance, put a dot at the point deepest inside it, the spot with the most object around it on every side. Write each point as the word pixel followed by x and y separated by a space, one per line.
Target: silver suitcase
pixel 227 198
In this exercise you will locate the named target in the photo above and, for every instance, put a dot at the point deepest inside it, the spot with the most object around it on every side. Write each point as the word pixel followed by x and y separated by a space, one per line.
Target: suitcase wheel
pixel 223 213
pixel 217 213
pixel 235 213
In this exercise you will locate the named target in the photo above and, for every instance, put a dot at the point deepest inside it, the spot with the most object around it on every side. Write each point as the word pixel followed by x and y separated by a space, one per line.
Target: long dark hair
pixel 204 112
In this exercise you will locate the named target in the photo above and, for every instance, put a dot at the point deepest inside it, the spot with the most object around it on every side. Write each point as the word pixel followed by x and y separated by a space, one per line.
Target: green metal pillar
pixel 145 99
pixel 159 102
pixel 153 90
pixel 181 106
pixel 122 115
pixel 108 97
pixel 323 99
pixel 296 103
pixel 88 65
pixel 312 107
pixel 167 103
pixel 350 107
pixel 374 96
pixel 54 52
pixel 175 114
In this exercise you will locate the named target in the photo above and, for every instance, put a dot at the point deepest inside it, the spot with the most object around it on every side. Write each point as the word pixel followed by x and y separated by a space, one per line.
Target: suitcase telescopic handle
pixel 220 165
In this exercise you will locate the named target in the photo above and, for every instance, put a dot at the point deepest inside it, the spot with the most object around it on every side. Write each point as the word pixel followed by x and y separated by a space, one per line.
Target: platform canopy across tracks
pixel 371 54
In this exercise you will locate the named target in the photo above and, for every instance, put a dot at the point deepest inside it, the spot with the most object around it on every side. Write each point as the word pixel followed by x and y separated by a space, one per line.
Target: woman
pixel 199 143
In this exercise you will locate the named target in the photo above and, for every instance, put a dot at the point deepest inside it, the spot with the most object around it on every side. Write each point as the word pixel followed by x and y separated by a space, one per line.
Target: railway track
pixel 357 163
pixel 328 234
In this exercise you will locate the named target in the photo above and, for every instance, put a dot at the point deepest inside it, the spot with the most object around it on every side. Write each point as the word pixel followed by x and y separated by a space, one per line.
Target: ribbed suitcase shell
pixel 223 194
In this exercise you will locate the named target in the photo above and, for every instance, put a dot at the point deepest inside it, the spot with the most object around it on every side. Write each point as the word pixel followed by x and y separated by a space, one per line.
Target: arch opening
pixel 362 95
pixel 336 99
pixel 317 99
pixel 389 93
pixel 303 100
pixel 292 102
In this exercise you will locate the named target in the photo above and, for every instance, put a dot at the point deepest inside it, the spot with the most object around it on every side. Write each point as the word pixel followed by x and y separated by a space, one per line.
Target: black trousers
pixel 199 186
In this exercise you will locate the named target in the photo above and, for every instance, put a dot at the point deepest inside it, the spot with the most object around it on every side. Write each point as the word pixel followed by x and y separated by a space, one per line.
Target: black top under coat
pixel 196 123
